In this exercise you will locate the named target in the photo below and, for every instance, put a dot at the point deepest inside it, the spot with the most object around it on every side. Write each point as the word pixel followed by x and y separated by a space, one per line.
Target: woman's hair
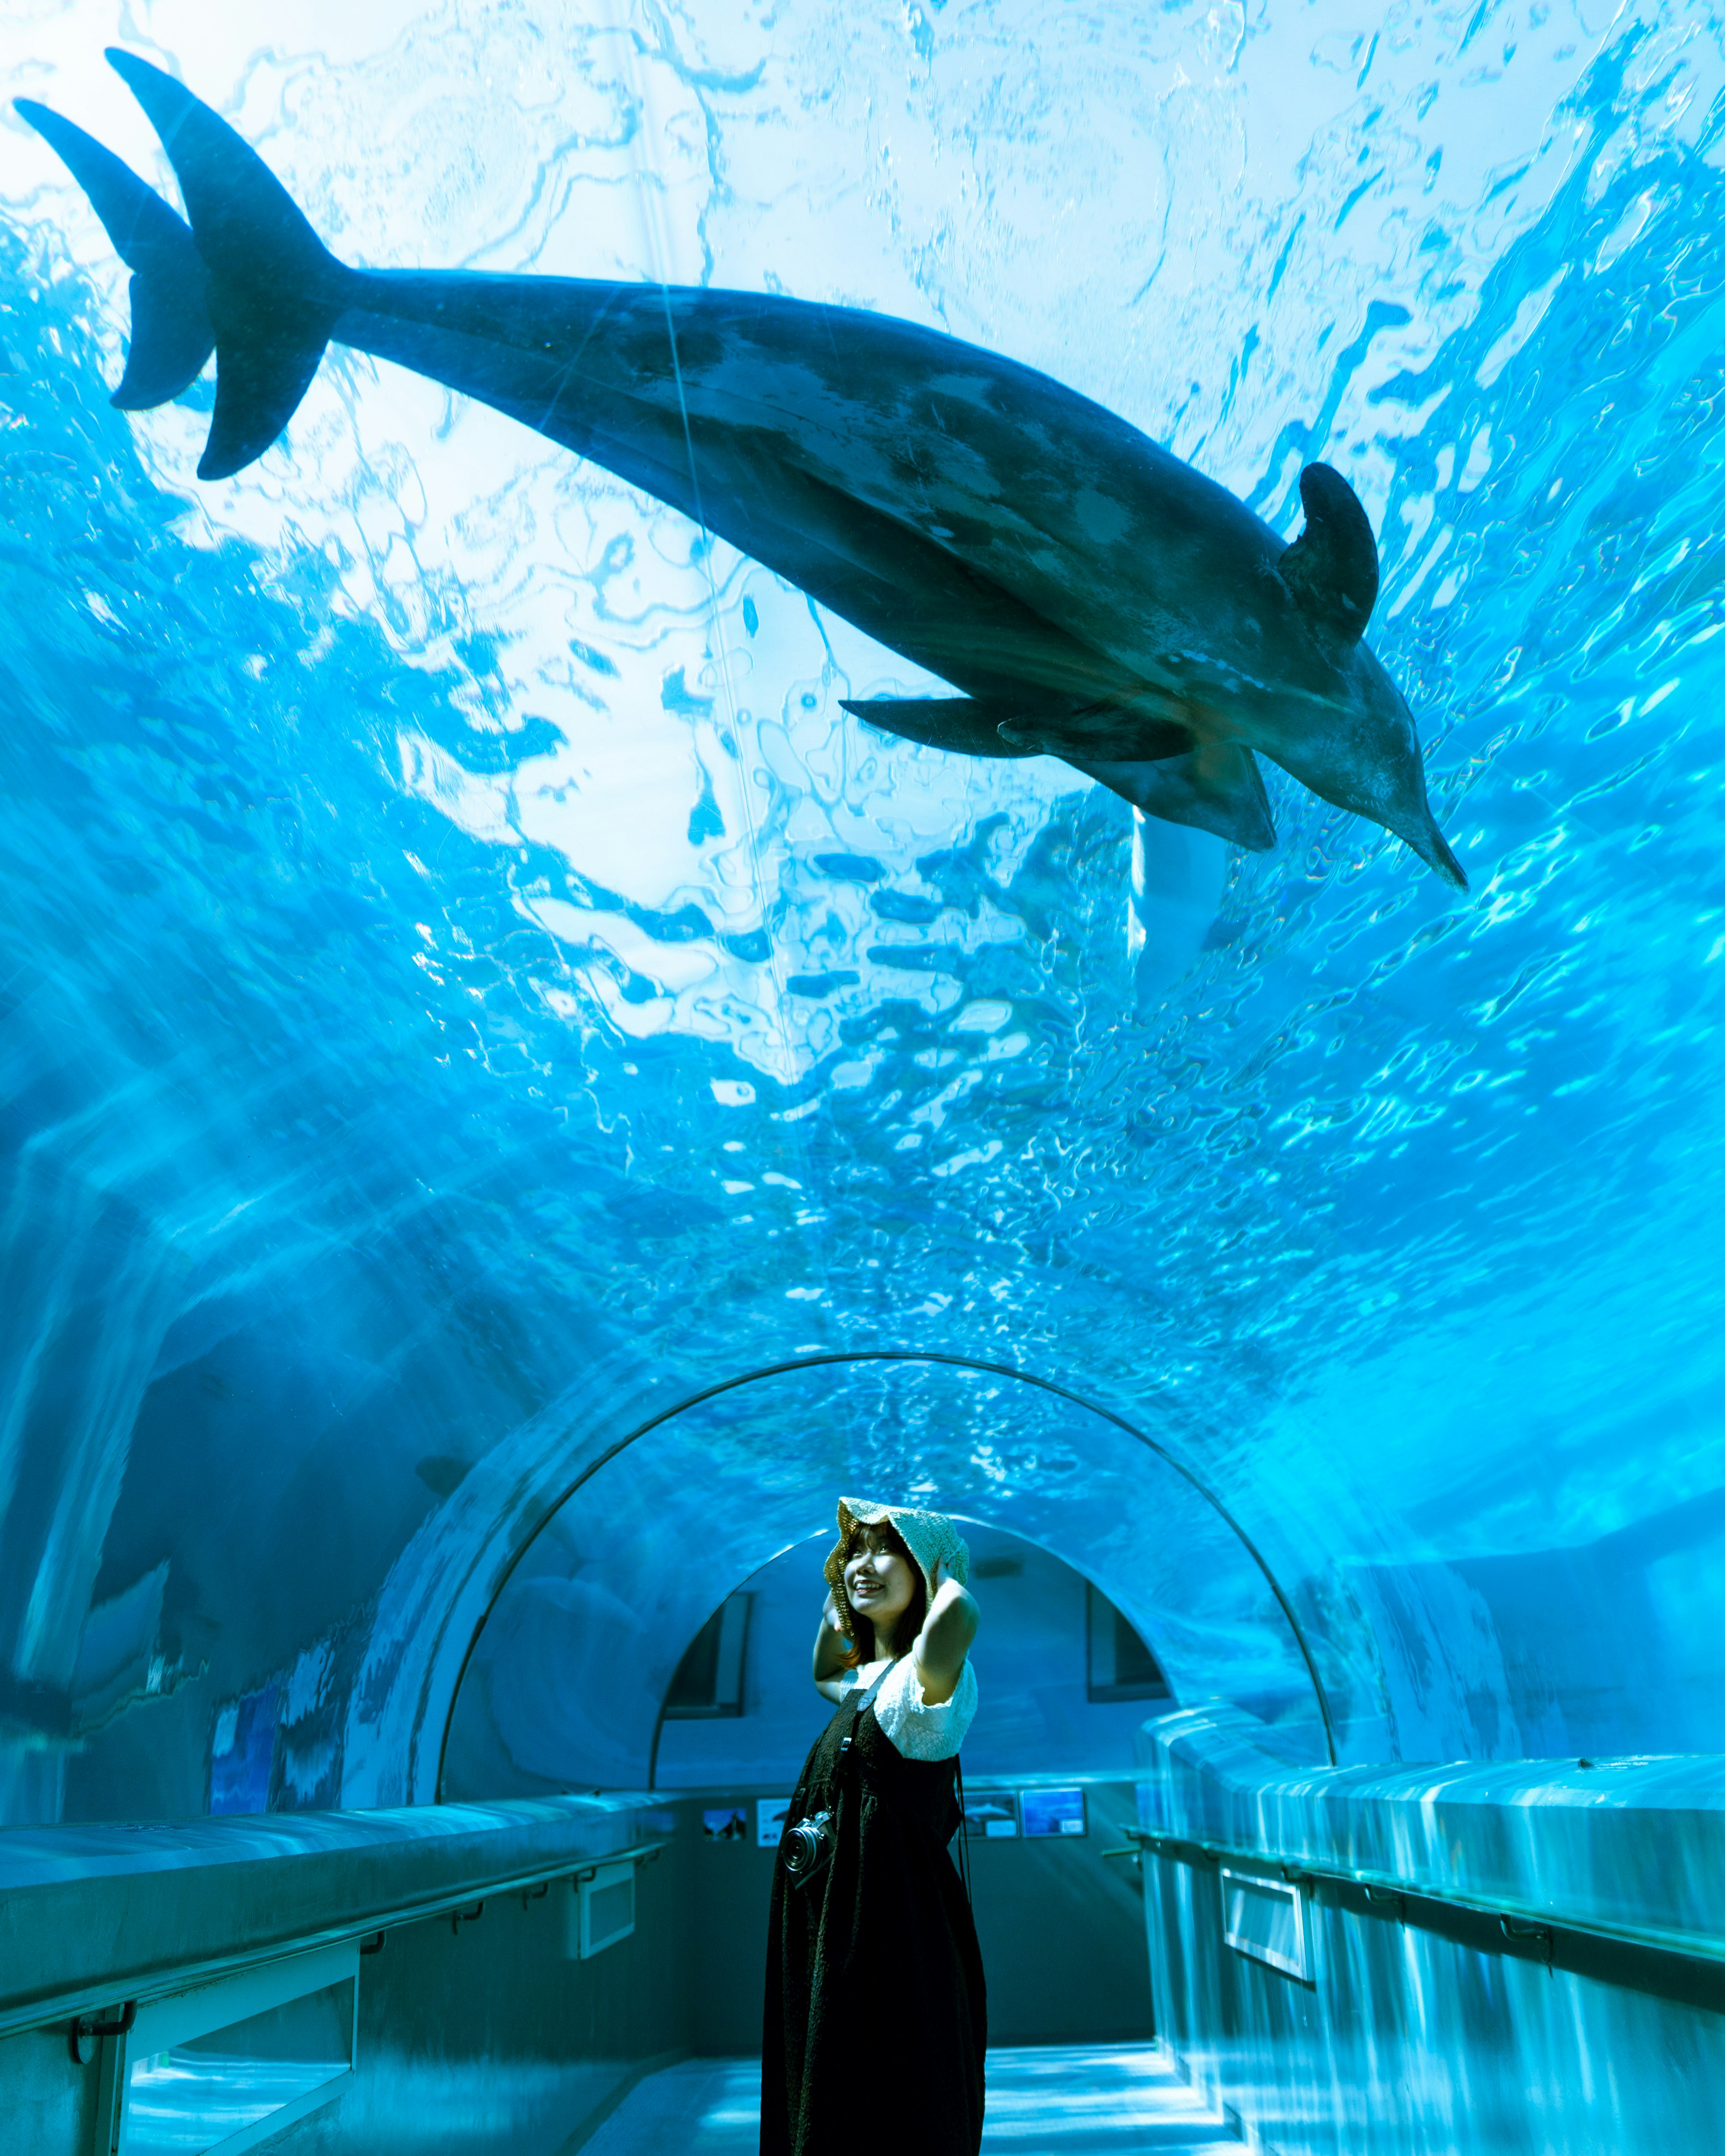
pixel 860 1631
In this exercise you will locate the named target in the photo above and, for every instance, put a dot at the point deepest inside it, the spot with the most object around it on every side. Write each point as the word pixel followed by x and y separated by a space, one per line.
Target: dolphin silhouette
pixel 1089 595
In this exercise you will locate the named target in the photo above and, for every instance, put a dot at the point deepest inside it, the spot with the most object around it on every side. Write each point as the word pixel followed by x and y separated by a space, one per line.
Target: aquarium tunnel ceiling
pixel 505 1076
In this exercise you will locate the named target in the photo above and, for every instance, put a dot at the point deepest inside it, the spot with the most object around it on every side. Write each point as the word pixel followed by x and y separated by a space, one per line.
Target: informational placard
pixel 1052 1811
pixel 724 1823
pixel 993 1814
pixel 770 1815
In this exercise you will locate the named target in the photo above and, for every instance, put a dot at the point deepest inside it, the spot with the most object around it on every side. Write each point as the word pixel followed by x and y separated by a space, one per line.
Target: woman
pixel 874 1981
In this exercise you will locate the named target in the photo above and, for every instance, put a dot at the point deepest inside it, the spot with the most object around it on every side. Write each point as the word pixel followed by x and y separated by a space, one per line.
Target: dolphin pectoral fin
pixel 1121 737
pixel 172 337
pixel 1216 787
pixel 274 289
pixel 964 725
pixel 997 726
pixel 1331 568
pixel 1124 729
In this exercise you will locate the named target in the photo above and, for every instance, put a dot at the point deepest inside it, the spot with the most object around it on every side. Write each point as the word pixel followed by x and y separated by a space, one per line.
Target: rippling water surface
pixel 458 946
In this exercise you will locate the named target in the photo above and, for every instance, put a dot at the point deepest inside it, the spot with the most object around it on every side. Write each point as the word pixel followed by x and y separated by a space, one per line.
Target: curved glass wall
pixel 580 1645
pixel 471 987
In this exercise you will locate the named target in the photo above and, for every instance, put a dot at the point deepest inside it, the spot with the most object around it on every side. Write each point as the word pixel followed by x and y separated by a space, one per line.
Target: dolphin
pixel 1087 595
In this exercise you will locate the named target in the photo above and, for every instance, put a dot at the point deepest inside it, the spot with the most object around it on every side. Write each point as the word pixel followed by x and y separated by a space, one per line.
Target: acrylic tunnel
pixel 961 756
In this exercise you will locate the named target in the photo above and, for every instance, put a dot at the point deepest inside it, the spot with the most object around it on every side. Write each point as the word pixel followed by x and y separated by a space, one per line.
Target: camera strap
pixel 963 1830
pixel 862 1706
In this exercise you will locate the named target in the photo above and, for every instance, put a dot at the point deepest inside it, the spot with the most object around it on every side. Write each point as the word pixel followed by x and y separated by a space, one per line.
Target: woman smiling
pixel 871 1928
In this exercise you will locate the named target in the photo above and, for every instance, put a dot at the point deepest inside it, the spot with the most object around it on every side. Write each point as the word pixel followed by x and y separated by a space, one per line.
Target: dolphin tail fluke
pixel 172 336
pixel 275 290
pixel 1216 787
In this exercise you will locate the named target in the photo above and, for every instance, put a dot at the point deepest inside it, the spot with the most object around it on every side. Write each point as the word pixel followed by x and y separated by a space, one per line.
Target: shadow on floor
pixel 1061 2100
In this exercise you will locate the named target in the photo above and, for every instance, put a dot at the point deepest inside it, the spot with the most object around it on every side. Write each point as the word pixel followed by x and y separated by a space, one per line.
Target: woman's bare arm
pixel 944 1641
pixel 830 1675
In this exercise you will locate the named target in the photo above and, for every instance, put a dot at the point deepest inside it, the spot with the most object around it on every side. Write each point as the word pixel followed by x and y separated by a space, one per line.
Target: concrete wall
pixel 487 2037
pixel 477 2038
pixel 483 2037
pixel 49 2104
pixel 1422 2028
pixel 1060 1928
pixel 1409 2043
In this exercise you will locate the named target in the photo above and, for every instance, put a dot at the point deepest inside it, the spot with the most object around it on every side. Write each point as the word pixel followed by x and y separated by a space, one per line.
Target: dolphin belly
pixel 594 368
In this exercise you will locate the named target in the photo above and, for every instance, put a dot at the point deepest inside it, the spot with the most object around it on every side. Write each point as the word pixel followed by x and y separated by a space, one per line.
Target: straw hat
pixel 931 1537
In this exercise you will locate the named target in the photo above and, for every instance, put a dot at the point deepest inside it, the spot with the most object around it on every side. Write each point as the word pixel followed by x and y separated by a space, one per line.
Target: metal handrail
pixel 161 1982
pixel 1523 1924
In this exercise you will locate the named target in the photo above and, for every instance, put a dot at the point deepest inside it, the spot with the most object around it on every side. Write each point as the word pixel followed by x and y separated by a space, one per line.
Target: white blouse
pixel 914 1728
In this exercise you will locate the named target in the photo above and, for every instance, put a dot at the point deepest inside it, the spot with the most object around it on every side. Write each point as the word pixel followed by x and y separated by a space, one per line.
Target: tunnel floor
pixel 1057 2100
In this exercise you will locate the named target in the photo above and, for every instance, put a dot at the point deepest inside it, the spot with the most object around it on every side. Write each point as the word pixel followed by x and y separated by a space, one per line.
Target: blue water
pixel 469 988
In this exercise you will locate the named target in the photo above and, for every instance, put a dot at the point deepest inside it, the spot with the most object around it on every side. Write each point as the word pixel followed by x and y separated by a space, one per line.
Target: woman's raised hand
pixel 945 1639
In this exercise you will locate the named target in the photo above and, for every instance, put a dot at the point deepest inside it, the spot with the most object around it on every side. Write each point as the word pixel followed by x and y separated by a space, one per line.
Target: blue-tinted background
pixel 468 988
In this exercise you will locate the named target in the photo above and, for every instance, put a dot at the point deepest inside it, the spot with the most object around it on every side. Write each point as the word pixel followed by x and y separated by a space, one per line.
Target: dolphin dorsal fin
pixel 1331 568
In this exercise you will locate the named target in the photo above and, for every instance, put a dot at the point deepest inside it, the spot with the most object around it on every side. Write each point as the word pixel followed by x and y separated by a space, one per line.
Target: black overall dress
pixel 879 1940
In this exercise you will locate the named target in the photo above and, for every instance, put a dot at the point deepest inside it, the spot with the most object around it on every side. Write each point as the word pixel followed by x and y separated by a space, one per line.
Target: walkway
pixel 1065 2100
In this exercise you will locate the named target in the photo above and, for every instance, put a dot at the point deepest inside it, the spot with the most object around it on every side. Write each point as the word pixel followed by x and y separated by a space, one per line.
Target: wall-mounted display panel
pixel 993 1814
pixel 1052 1812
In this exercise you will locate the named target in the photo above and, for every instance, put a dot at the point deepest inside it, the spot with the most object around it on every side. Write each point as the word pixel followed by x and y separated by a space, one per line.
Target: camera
pixel 807 1846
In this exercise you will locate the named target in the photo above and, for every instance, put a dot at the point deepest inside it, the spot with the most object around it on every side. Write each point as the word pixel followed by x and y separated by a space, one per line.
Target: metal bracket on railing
pixel 458 1917
pixel 374 1943
pixel 1531 1935
pixel 1159 1845
pixel 535 1893
pixel 86 2032
pixel 1135 1855
pixel 648 1853
pixel 1386 1897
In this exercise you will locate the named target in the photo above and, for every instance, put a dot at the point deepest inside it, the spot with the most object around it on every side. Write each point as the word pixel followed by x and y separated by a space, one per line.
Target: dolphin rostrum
pixel 1088 595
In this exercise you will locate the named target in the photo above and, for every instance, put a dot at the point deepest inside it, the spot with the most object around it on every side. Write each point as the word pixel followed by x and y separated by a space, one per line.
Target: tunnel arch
pixel 555 1510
